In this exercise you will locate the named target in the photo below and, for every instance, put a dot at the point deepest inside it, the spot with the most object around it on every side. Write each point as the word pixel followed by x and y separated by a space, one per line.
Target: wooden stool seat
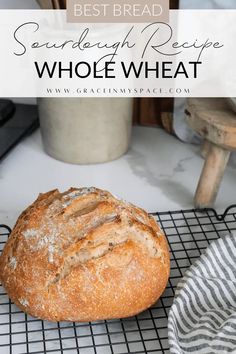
pixel 215 122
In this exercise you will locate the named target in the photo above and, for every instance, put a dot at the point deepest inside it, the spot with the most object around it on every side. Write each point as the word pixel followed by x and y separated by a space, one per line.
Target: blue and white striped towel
pixel 202 318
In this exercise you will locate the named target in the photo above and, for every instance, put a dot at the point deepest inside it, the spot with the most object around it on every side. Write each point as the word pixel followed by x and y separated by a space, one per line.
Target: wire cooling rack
pixel 188 231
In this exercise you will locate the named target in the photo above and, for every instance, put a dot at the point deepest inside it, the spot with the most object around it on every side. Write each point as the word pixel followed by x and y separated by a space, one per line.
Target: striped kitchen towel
pixel 202 318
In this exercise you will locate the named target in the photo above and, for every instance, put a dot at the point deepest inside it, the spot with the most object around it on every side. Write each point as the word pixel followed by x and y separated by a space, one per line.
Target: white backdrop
pixel 208 4
pixel 18 4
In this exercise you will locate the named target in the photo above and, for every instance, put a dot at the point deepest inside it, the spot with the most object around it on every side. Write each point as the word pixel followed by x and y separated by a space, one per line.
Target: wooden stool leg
pixel 211 176
pixel 205 148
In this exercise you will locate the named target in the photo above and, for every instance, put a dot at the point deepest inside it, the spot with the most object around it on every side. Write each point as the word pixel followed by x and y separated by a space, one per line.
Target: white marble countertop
pixel 158 173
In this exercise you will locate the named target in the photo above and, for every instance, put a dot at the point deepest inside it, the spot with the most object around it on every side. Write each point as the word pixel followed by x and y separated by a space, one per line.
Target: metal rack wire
pixel 188 231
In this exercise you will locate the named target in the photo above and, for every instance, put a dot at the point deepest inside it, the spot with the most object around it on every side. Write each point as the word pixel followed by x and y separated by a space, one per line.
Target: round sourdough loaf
pixel 84 255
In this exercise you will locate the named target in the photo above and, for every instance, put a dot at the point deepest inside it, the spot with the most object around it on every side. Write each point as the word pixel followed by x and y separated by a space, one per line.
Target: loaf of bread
pixel 84 255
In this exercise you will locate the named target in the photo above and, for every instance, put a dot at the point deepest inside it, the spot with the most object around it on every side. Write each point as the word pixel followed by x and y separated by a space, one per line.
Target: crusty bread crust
pixel 84 255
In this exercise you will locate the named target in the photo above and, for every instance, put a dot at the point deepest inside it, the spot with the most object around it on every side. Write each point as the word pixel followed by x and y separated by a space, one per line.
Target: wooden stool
pixel 213 120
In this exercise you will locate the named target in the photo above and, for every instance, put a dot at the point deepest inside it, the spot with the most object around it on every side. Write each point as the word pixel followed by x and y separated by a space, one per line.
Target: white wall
pixel 18 4
pixel 208 4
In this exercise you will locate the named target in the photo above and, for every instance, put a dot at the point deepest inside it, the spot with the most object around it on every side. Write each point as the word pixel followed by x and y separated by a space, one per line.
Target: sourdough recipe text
pixel 156 53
